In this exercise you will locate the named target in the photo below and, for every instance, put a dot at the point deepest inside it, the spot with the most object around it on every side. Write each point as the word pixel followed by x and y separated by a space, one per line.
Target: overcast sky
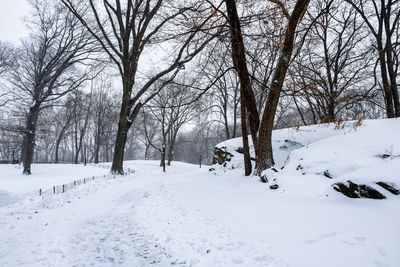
pixel 12 26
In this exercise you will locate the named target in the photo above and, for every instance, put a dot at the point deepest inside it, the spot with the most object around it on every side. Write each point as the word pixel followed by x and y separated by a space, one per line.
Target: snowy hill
pixel 190 216
pixel 315 160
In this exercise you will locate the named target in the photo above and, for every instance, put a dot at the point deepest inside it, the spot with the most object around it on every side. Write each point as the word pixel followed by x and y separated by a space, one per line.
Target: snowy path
pixel 92 226
pixel 132 221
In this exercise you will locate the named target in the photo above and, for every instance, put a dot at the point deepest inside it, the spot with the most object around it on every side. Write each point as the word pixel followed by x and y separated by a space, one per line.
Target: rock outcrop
pixel 391 187
pixel 221 155
pixel 354 190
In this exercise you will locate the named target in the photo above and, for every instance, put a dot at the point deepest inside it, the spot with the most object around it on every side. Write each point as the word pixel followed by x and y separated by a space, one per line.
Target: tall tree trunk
pixel 393 86
pixel 330 113
pixel 119 148
pixel 385 83
pixel 162 161
pixel 170 155
pixel 23 148
pixel 234 120
pixel 59 139
pixel 56 150
pixel 389 57
pixel 239 61
pixel 245 139
pixel 125 121
pixel 97 139
pixel 29 138
pixel 97 151
pixel 392 77
pixel 174 134
pixel 107 152
pixel 264 154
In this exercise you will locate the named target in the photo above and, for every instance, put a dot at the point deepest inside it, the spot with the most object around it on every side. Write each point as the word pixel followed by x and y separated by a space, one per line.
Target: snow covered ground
pixel 14 186
pixel 193 217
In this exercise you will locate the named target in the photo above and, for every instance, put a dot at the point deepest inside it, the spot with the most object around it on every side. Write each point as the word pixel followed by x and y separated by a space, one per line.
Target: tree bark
pixel 264 153
pixel 245 139
pixel 385 83
pixel 57 148
pixel 384 23
pixel 97 151
pixel 392 76
pixel 29 138
pixel 170 154
pixel 60 137
pixel 123 128
pixel 239 61
pixel 119 149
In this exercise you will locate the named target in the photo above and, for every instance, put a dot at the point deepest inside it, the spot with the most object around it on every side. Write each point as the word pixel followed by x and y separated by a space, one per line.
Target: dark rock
pixel 221 155
pixel 385 156
pixel 327 174
pixel 264 179
pixel 241 151
pixel 391 187
pixel 274 187
pixel 211 169
pixel 354 190
pixel 299 167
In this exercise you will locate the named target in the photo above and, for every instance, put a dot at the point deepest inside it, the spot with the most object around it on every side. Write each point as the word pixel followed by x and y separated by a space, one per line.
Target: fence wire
pixel 59 189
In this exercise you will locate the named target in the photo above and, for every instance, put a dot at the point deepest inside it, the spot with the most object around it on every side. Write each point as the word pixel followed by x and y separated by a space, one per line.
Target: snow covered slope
pixel 190 216
pixel 311 160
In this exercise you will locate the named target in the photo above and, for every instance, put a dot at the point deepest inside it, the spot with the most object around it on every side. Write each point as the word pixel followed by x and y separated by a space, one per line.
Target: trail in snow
pixel 89 226
pixel 131 221
pixel 115 238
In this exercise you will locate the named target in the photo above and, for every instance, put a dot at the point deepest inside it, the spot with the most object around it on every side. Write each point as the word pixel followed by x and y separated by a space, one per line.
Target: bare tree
pixel 7 57
pixel 149 135
pixel 264 154
pixel 334 68
pixel 247 98
pixel 126 30
pixel 382 18
pixel 47 66
pixel 102 108
pixel 81 108
pixel 63 121
pixel 222 100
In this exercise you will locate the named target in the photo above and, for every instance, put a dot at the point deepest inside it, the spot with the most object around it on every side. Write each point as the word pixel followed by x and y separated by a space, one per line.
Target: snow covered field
pixel 14 185
pixel 193 217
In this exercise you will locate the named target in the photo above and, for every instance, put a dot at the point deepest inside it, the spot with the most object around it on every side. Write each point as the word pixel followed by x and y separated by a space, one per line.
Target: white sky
pixel 12 26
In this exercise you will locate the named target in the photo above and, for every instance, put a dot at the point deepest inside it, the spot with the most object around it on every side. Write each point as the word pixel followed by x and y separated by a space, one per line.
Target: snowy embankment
pixel 193 217
pixel 312 161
